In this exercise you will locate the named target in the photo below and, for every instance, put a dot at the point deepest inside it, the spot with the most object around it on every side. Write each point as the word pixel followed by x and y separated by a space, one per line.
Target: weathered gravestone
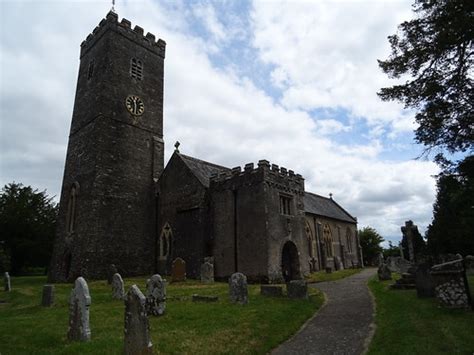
pixel 469 263
pixel 118 291
pixel 47 299
pixel 271 290
pixel 338 263
pixel 451 287
pixel 380 259
pixel 209 259
pixel 79 303
pixel 238 292
pixel 384 273
pixel 398 264
pixel 178 270
pixel 112 270
pixel 7 281
pixel 297 289
pixel 137 329
pixel 424 281
pixel 207 273
pixel 156 295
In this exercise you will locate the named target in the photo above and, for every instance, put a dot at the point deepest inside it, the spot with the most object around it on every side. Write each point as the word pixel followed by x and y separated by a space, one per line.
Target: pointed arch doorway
pixel 290 264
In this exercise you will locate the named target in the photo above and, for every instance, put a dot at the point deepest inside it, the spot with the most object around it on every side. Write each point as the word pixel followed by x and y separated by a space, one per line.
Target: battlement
pixel 271 173
pixel 124 28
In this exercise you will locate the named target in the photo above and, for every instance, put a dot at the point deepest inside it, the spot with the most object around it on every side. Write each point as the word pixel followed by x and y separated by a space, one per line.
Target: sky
pixel 293 82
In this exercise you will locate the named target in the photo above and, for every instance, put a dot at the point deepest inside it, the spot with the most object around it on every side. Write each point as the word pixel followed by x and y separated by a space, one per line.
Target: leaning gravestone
pixel 112 270
pixel 238 292
pixel 384 273
pixel 47 299
pixel 207 273
pixel 6 279
pixel 79 303
pixel 297 289
pixel 155 295
pixel 118 291
pixel 178 270
pixel 137 329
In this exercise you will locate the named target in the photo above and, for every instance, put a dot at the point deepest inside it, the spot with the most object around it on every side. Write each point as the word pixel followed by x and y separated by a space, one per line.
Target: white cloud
pixel 218 115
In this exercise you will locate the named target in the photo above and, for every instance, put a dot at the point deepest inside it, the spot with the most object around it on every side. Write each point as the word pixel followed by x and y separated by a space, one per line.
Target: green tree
pixel 435 51
pixel 27 222
pixel 392 250
pixel 370 241
pixel 452 228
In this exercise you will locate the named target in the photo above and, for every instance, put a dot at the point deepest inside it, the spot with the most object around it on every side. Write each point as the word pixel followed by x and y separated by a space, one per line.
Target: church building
pixel 119 204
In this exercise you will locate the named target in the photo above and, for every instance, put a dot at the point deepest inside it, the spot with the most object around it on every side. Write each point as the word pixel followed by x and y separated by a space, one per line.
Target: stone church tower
pixel 114 157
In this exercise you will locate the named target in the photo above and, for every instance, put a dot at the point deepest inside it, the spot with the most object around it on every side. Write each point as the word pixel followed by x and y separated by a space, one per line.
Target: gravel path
pixel 343 325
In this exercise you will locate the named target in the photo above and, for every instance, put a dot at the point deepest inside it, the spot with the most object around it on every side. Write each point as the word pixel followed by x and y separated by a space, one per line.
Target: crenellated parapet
pixel 271 174
pixel 124 27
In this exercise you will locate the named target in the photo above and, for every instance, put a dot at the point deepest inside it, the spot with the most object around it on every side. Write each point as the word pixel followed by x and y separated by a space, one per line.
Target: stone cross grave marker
pixel 156 295
pixel 137 329
pixel 118 291
pixel 79 303
pixel 7 281
pixel 178 270
pixel 238 292
pixel 207 272
pixel 47 299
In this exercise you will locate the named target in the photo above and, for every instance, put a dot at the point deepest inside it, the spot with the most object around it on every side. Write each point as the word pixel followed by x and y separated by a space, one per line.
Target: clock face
pixel 134 105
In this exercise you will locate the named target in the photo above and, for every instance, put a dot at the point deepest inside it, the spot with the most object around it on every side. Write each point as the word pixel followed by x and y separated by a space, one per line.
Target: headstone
pixel 156 295
pixel 380 259
pixel 238 292
pixel 207 272
pixel 384 273
pixel 47 299
pixel 338 263
pixel 207 299
pixel 271 290
pixel 118 291
pixel 178 270
pixel 112 270
pixel 209 259
pixel 398 264
pixel 297 289
pixel 137 329
pixel 424 282
pixel 7 281
pixel 451 287
pixel 79 303
pixel 409 231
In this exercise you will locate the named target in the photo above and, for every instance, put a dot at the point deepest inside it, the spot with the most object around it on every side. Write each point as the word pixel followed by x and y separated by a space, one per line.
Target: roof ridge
pixel 203 161
pixel 312 193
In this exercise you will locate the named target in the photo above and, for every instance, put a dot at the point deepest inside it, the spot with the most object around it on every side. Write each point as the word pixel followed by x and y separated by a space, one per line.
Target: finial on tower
pixel 113 6
pixel 330 195
pixel 176 146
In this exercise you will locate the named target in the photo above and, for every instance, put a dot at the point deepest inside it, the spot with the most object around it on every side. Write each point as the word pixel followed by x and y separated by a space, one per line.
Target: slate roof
pixel 202 169
pixel 326 207
pixel 315 204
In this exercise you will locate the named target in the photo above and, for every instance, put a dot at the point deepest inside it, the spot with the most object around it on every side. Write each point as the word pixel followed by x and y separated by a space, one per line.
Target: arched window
pixel 349 240
pixel 327 235
pixel 136 69
pixel 71 208
pixel 165 241
pixel 311 241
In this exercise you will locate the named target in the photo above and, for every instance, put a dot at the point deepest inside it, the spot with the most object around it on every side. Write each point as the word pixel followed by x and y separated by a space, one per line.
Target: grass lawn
pixel 321 276
pixel 407 324
pixel 186 328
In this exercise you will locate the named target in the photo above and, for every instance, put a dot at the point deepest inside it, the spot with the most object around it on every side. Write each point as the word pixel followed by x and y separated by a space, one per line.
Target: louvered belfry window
pixel 136 69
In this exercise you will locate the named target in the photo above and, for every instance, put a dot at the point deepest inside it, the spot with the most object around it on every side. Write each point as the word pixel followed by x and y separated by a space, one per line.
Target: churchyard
pixel 407 324
pixel 204 327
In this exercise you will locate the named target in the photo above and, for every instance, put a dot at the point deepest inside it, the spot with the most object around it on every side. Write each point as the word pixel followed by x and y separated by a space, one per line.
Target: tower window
pixel 285 205
pixel 90 71
pixel 136 69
